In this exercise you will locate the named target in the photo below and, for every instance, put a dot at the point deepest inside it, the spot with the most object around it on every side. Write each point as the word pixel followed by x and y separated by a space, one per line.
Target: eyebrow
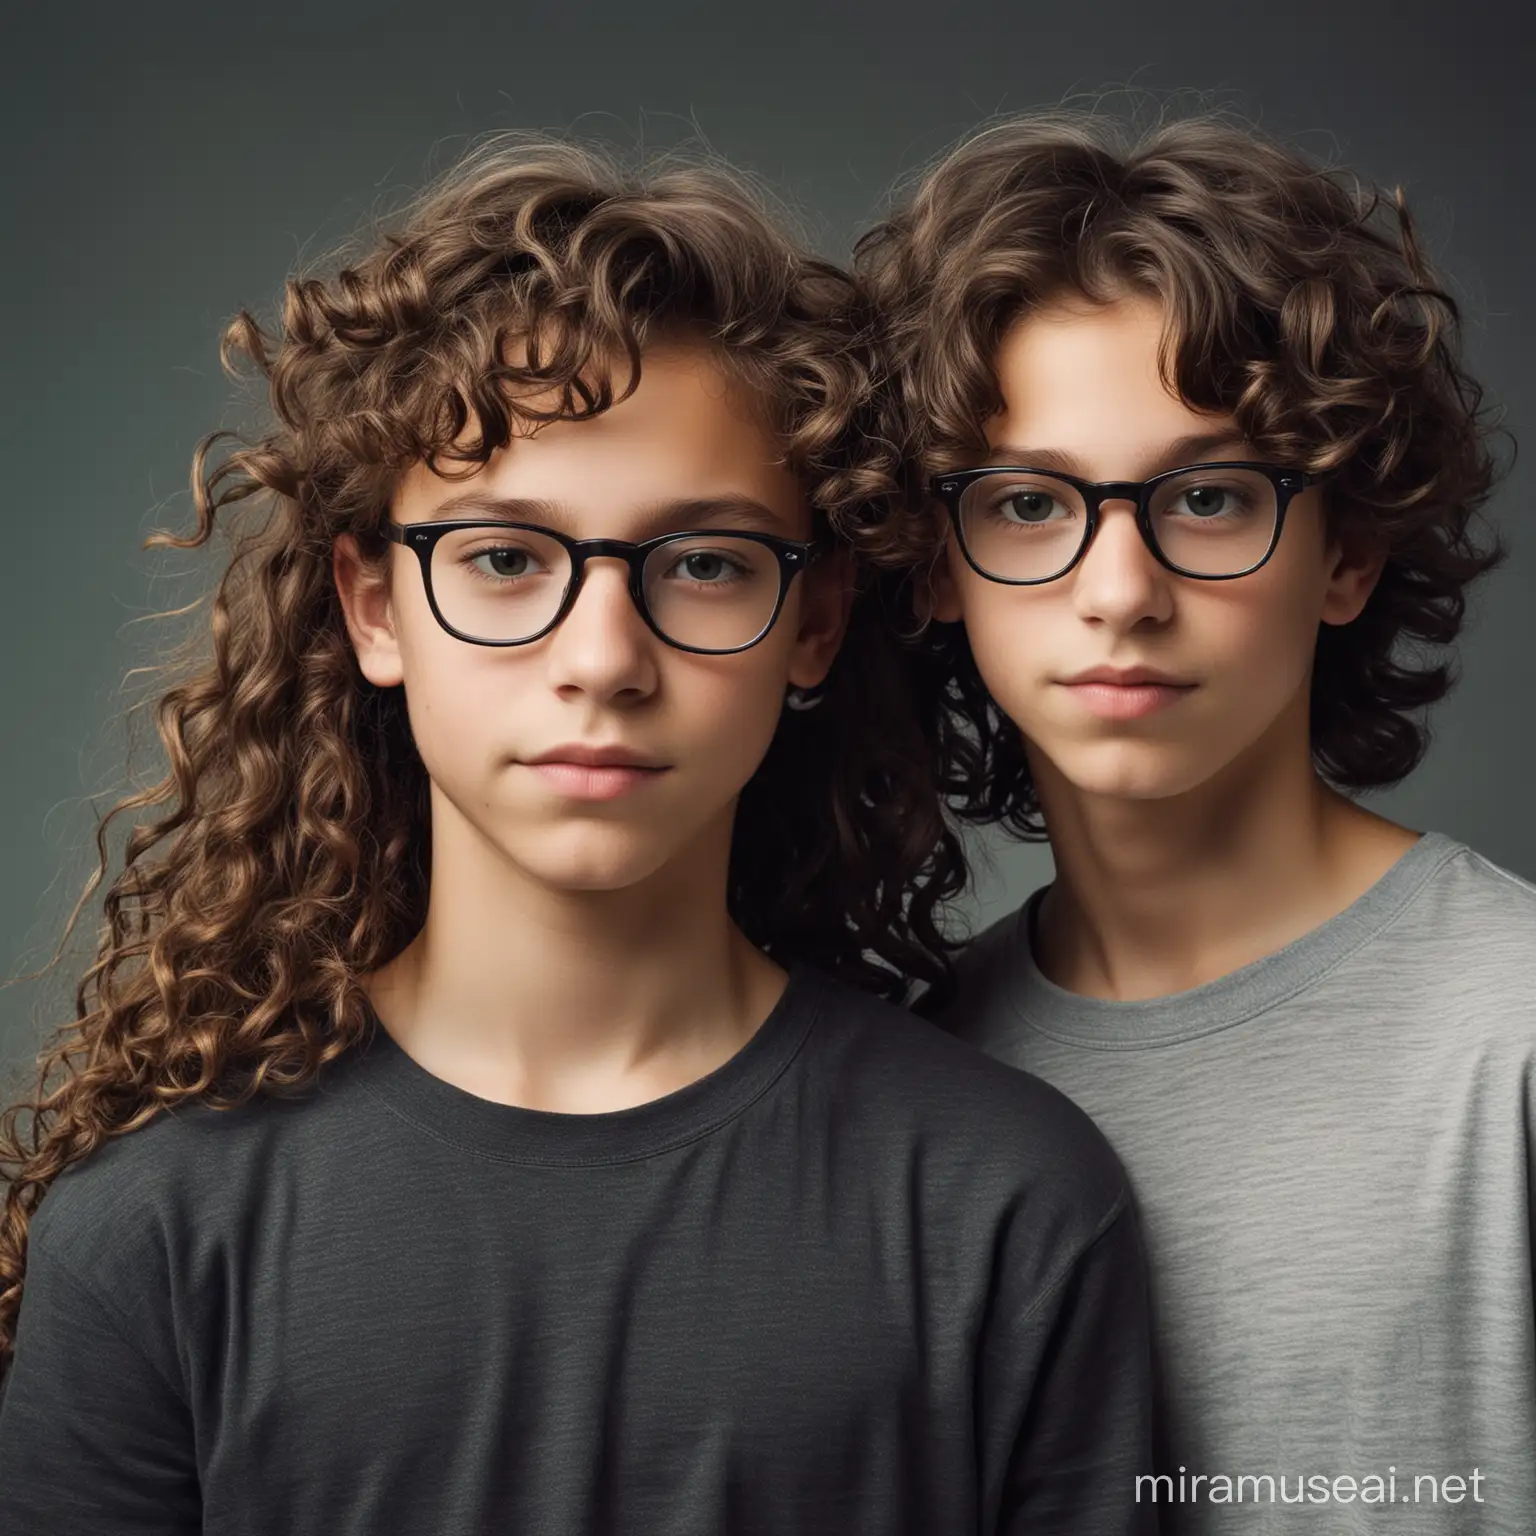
pixel 1174 455
pixel 730 510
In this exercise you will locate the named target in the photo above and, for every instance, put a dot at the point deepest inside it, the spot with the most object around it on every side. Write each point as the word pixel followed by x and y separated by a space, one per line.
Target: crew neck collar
pixel 511 1133
pixel 1232 999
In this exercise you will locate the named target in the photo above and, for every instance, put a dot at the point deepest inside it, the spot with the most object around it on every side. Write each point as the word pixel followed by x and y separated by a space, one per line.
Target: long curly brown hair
pixel 1297 299
pixel 289 848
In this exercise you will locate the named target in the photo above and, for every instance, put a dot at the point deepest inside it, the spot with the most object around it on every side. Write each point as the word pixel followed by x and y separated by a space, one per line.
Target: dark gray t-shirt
pixel 1333 1155
pixel 859 1279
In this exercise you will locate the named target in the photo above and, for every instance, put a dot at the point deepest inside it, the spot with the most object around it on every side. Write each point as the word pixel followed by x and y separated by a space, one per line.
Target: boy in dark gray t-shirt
pixel 1204 469
pixel 487 1114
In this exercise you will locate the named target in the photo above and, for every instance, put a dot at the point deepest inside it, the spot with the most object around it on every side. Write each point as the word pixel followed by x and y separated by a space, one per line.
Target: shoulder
pixel 144 1201
pixel 996 1125
pixel 1491 895
pixel 1469 931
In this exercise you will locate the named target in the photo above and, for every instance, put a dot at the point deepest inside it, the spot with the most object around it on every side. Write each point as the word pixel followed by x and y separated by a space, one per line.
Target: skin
pixel 1198 838
pixel 577 955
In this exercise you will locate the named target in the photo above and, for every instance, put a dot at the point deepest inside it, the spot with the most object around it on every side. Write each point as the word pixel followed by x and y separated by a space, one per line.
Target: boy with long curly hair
pixel 1201 472
pixel 482 1114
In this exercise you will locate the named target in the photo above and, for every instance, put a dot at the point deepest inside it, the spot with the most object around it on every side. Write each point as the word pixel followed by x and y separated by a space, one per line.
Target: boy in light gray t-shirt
pixel 1205 474
pixel 1332 1152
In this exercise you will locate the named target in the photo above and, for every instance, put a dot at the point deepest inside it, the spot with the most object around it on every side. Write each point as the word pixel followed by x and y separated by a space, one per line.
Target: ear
pixel 935 592
pixel 826 599
pixel 944 603
pixel 1357 562
pixel 365 602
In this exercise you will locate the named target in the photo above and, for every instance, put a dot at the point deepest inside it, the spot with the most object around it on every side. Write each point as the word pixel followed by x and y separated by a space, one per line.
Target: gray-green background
pixel 165 164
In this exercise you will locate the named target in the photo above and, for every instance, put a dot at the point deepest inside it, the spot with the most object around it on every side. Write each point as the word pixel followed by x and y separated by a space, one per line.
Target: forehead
pixel 1083 379
pixel 690 430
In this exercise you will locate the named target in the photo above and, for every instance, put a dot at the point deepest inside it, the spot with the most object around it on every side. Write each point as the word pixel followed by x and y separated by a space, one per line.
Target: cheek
pixel 723 711
pixel 1258 636
pixel 1018 638
pixel 463 708
pixel 463 701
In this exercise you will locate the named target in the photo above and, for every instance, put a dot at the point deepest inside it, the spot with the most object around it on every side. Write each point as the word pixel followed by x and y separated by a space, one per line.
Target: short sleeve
pixel 95 1438
pixel 1066 1399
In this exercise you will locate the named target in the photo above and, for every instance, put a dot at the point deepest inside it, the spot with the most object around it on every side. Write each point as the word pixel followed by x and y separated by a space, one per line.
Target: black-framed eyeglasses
pixel 493 582
pixel 1214 522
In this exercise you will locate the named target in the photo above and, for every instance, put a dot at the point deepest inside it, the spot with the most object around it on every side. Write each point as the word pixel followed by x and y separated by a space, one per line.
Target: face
pixel 1230 660
pixel 508 734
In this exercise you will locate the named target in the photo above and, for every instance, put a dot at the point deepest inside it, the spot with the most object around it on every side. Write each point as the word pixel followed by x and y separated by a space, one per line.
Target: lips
pixel 1126 677
pixel 577 771
pixel 1125 693
pixel 581 755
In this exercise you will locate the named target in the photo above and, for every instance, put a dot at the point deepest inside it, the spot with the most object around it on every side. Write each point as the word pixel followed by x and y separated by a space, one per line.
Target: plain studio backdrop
pixel 167 164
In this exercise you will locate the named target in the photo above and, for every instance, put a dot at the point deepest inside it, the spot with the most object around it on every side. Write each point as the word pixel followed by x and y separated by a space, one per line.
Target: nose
pixel 603 647
pixel 1119 581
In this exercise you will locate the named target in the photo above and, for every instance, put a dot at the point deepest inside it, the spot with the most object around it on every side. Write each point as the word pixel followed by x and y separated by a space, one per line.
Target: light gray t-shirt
pixel 1333 1152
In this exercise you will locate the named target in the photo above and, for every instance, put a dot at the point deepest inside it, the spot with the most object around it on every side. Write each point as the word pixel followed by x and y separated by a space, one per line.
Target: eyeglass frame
pixel 794 556
pixel 1287 482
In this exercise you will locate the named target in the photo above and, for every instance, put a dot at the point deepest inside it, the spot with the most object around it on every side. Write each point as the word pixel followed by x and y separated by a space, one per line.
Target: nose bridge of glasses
pixel 1109 496
pixel 625 550
pixel 1110 493
pixel 1111 539
pixel 627 585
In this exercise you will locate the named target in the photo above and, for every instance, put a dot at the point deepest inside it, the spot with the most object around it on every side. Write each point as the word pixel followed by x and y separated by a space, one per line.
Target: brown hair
pixel 290 853
pixel 1296 299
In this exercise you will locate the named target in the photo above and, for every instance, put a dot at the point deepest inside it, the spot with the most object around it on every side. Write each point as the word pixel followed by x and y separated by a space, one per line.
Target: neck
pixel 578 1001
pixel 1155 896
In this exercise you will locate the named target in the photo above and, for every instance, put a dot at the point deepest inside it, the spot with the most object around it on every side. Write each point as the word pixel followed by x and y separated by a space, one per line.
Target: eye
pixel 503 562
pixel 708 567
pixel 1210 500
pixel 1028 506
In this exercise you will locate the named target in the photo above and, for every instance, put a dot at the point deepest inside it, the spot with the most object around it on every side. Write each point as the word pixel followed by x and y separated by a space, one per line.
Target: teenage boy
pixel 598 1192
pixel 1203 466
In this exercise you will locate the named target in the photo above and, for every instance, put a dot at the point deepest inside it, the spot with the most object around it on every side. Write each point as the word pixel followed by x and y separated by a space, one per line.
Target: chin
pixel 591 858
pixel 1132 770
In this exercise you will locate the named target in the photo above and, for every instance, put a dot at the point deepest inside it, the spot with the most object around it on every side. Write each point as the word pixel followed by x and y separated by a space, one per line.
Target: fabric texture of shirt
pixel 860 1278
pixel 1331 1154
